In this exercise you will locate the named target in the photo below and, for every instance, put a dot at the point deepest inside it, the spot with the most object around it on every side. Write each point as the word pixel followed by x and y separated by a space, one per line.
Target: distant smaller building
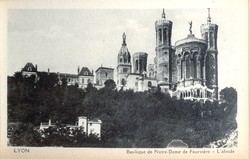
pixel 103 74
pixel 29 69
pixel 85 77
pixel 71 79
pixel 88 126
pixel 139 82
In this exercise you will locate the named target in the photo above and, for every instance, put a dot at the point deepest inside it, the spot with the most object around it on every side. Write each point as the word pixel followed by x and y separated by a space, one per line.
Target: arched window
pixel 140 66
pixel 210 69
pixel 206 37
pixel 195 65
pixel 198 93
pixel 182 69
pixel 123 82
pixel 164 35
pixel 136 65
pixel 149 84
pixel 211 39
pixel 106 74
pixel 160 35
pixel 86 73
pixel 187 66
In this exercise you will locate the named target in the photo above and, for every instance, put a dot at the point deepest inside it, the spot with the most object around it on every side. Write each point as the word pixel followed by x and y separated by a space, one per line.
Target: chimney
pixel 36 67
pixel 49 122
pixel 78 70
pixel 48 70
pixel 92 72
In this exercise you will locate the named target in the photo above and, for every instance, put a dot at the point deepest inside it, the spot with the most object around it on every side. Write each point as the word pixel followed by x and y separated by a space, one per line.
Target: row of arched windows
pixel 196 93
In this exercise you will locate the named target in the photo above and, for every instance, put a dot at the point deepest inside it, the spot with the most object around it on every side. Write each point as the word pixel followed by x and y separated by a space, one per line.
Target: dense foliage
pixel 142 119
pixel 23 134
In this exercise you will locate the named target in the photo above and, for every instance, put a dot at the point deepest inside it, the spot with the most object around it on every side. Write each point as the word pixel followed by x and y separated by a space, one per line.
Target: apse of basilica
pixel 188 69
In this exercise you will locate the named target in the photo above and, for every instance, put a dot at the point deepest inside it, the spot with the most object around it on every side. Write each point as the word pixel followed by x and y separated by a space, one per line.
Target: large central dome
pixel 190 39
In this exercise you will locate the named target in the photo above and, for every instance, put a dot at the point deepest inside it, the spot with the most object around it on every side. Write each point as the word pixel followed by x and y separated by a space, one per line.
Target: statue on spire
pixel 124 39
pixel 190 27
pixel 163 14
pixel 208 18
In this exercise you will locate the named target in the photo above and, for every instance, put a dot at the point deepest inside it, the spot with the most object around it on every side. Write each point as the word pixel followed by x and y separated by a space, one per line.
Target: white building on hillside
pixel 88 126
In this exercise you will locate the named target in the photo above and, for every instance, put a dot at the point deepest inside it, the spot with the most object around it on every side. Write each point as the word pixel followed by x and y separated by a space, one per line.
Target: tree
pixel 110 84
pixel 229 95
pixel 22 134
pixel 90 87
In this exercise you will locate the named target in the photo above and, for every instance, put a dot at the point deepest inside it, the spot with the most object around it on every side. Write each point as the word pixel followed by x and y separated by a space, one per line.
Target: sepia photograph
pixel 142 81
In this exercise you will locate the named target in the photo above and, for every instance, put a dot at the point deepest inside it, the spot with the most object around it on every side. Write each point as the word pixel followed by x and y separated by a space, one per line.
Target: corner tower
pixel 164 52
pixel 209 34
pixel 123 64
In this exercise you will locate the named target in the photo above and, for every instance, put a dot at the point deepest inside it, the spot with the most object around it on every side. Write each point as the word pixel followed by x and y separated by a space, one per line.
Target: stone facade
pixel 164 51
pixel 85 77
pixel 138 79
pixel 124 64
pixel 140 83
pixel 187 70
pixel 103 74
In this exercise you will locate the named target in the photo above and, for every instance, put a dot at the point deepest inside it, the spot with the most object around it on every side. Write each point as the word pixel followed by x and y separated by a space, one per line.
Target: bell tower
pixel 123 64
pixel 164 52
pixel 209 33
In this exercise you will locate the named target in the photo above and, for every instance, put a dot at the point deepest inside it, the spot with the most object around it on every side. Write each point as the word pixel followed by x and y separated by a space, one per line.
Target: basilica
pixel 187 70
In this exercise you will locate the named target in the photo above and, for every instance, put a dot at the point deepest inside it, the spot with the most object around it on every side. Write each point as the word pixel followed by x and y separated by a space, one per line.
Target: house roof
pixel 29 67
pixel 85 72
pixel 67 75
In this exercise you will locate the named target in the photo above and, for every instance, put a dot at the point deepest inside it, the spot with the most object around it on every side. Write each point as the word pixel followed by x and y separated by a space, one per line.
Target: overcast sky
pixel 63 39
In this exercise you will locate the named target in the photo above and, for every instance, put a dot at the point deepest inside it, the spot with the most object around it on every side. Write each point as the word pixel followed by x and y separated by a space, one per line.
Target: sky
pixel 63 39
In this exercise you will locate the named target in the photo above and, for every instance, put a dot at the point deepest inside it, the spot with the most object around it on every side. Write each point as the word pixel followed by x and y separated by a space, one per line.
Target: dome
pixel 163 20
pixel 190 39
pixel 123 50
pixel 124 55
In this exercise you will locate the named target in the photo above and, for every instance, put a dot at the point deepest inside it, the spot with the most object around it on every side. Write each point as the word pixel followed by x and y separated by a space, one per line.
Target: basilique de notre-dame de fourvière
pixel 188 69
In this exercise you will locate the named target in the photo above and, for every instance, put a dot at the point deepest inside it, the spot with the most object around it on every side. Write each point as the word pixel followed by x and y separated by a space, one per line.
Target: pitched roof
pixel 85 72
pixel 67 75
pixel 29 67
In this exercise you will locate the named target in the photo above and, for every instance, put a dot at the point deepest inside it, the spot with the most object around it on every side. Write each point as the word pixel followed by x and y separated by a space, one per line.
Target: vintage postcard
pixel 116 79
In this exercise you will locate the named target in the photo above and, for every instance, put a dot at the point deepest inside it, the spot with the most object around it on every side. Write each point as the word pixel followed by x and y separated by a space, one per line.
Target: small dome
pixel 190 39
pixel 123 50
